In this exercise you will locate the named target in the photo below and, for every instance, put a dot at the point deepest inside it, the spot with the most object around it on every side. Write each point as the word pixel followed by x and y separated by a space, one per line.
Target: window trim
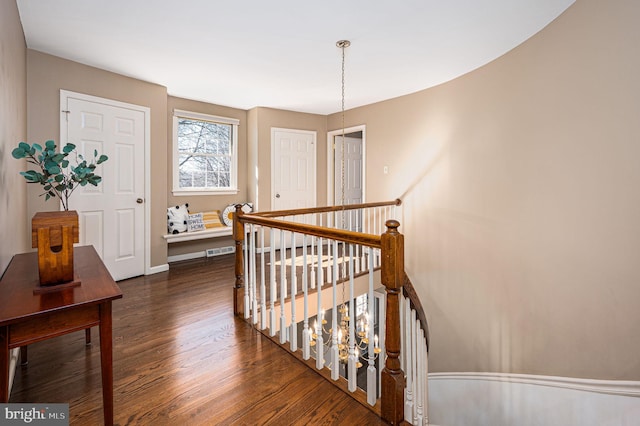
pixel 233 188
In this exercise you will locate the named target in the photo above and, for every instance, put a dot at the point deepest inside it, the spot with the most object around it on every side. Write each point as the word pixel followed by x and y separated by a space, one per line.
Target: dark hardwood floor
pixel 180 357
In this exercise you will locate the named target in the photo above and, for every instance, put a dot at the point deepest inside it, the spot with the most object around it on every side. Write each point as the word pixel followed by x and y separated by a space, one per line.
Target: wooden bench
pixel 223 231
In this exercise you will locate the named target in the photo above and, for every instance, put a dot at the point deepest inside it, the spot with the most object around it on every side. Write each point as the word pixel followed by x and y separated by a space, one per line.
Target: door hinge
pixel 66 114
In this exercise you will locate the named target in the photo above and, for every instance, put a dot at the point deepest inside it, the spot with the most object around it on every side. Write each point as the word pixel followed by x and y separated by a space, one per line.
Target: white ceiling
pixel 282 53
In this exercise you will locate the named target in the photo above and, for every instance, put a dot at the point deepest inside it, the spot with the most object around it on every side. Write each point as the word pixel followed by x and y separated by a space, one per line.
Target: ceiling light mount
pixel 343 43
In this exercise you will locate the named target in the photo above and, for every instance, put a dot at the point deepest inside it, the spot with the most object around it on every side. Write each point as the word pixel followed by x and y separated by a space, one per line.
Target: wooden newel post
pixel 238 289
pixel 393 381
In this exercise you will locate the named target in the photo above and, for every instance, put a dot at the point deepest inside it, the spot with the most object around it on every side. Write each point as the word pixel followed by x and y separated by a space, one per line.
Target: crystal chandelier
pixel 361 335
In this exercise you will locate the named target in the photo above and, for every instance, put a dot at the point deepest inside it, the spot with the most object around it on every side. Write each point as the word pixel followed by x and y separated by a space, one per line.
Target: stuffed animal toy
pixel 177 218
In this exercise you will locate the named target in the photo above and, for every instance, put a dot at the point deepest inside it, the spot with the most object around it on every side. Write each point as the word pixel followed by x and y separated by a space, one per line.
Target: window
pixel 205 154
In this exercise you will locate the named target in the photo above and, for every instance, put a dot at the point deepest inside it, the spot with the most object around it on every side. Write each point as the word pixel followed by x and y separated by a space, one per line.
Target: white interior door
pixel 355 165
pixel 352 170
pixel 293 170
pixel 112 215
pixel 352 177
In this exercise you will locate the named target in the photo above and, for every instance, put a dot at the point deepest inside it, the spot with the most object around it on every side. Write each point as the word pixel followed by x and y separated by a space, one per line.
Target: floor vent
pixel 220 251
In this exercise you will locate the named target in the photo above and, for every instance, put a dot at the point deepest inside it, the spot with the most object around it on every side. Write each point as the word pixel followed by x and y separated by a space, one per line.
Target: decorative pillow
pixel 195 222
pixel 227 214
pixel 177 218
pixel 212 219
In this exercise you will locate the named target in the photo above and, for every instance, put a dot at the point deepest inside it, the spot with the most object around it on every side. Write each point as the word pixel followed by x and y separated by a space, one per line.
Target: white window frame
pixel 233 189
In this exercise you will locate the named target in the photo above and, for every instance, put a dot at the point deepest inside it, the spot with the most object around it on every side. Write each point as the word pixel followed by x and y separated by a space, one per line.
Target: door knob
pixel 139 201
pixel 277 195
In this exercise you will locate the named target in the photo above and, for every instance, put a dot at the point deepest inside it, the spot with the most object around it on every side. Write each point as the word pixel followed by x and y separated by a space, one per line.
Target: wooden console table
pixel 28 317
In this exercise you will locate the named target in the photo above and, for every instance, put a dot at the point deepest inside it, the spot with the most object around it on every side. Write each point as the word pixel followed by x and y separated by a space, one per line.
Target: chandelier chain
pixel 343 44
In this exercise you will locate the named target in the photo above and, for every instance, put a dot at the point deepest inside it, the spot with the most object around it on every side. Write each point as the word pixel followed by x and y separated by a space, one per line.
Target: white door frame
pixel 64 95
pixel 273 161
pixel 331 161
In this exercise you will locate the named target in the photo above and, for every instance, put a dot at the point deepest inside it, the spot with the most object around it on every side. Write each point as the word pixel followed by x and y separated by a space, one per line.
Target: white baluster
pixel 283 261
pixel 418 379
pixel 306 352
pixel 263 291
pixel 371 369
pixel 320 311
pixel 367 227
pixel 376 231
pixel 344 260
pixel 320 269
pixel 352 335
pixel 382 324
pixel 254 278
pixel 313 264
pixel 319 344
pixel 319 265
pixel 273 285
pixel 247 278
pixel 403 337
pixel 335 367
pixel 283 289
pixel 330 255
pixel 406 348
pixel 293 334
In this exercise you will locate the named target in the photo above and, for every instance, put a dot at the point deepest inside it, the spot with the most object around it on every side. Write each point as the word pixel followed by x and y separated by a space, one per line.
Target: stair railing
pixel 297 264
pixel 414 333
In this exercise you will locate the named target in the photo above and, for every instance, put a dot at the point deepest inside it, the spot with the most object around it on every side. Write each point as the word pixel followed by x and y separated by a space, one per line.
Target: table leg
pixel 4 364
pixel 106 361
pixel 24 360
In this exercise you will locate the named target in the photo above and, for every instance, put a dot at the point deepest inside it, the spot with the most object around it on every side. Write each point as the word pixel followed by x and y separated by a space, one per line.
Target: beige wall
pixel 263 119
pixel 47 74
pixel 522 208
pixel 252 153
pixel 13 129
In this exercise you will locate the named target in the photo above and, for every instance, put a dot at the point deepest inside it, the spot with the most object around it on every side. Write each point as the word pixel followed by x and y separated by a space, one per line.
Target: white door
pixel 352 170
pixel 293 172
pixel 293 169
pixel 351 175
pixel 112 215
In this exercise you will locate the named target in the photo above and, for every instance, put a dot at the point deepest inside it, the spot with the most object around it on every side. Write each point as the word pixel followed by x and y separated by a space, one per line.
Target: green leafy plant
pixel 58 177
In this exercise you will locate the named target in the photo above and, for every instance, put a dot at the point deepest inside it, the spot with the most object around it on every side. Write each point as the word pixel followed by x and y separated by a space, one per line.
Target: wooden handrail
pixel 326 209
pixel 350 237
pixel 409 291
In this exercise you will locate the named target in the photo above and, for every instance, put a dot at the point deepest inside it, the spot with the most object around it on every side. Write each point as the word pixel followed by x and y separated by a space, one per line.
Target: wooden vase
pixel 53 234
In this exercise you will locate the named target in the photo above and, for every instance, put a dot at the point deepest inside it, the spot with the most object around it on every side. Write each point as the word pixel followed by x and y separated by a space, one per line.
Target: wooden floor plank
pixel 182 358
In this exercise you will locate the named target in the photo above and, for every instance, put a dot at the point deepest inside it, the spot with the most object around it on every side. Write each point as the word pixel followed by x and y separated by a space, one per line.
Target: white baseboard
pixel 219 251
pixel 613 387
pixel 186 256
pixel 508 399
pixel 157 269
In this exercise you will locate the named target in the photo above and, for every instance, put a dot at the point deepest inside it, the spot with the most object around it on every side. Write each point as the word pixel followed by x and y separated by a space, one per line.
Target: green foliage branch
pixel 58 177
